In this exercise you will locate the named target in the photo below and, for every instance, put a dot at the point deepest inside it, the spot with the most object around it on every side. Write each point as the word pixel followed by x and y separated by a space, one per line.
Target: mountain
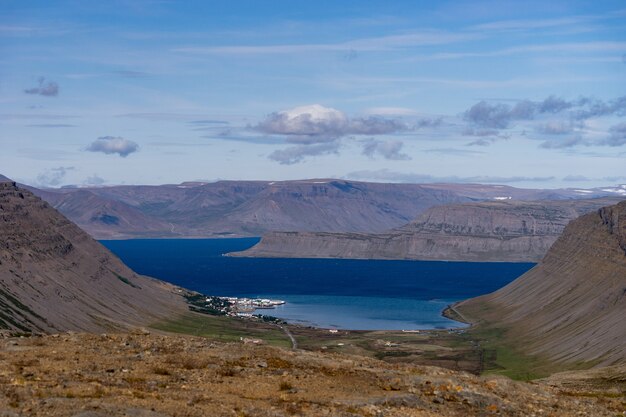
pixel 505 231
pixel 251 208
pixel 571 307
pixel 53 276
pixel 242 208
pixel 103 217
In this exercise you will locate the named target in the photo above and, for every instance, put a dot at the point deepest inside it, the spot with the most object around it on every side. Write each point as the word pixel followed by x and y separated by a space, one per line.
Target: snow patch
pixel 621 191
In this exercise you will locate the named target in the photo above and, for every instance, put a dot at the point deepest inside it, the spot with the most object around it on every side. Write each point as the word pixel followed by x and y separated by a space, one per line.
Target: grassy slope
pixel 226 329
pixel 503 349
pixel 451 350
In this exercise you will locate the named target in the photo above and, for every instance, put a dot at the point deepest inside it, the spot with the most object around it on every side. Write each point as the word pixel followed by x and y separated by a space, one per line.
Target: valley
pixel 156 354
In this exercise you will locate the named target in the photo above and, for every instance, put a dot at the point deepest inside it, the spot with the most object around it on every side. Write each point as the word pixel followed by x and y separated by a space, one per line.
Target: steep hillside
pixel 510 231
pixel 53 276
pixel 571 307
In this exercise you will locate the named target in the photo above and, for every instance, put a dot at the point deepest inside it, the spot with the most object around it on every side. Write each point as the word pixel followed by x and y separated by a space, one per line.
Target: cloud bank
pixel 559 123
pixel 317 130
pixel 499 116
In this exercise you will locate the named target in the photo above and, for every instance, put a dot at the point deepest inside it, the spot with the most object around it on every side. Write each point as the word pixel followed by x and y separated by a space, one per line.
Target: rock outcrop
pixel 571 307
pixel 500 231
pixel 54 277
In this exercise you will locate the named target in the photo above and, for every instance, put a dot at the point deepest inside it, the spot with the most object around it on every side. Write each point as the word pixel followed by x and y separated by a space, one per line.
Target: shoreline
pixel 449 312
pixel 452 313
pixel 261 308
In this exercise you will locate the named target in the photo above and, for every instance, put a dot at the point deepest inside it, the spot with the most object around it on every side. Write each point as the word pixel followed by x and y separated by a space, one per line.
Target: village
pixel 244 307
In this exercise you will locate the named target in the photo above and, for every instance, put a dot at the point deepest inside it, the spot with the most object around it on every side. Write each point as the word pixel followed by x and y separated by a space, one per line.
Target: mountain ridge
pixel 495 231
pixel 252 208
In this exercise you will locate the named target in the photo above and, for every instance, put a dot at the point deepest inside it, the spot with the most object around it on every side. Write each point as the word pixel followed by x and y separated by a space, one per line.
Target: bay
pixel 330 293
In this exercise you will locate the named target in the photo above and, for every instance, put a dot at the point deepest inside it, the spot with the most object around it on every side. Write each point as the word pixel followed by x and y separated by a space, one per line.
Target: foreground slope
pixel 502 231
pixel 53 276
pixel 571 307
pixel 158 376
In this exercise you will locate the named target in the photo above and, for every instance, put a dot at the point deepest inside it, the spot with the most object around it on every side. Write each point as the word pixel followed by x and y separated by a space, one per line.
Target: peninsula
pixel 491 231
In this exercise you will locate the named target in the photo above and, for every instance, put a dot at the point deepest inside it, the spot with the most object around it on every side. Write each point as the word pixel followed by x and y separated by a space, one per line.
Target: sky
pixel 529 94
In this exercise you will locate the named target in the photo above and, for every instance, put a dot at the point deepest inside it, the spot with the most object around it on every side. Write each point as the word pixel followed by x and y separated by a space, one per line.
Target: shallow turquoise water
pixel 361 313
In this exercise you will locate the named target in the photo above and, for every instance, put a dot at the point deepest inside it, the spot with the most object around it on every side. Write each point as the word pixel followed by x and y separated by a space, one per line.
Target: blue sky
pixel 530 94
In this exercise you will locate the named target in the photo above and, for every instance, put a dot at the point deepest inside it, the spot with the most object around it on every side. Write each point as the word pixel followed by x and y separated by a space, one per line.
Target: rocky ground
pixel 153 375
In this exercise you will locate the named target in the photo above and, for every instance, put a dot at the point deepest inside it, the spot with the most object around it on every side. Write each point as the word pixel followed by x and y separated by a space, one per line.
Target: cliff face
pixel 54 277
pixel 489 231
pixel 571 307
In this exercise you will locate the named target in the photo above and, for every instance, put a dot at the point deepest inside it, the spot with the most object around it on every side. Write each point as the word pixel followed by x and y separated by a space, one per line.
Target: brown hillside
pixel 53 276
pixel 570 308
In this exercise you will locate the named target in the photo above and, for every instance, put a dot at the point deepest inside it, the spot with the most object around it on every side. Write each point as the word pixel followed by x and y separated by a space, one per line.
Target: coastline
pixel 359 313
pixel 450 312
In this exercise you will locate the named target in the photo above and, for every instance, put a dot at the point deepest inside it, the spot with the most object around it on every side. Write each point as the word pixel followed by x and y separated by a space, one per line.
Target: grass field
pixel 480 350
pixel 226 329
pixel 449 349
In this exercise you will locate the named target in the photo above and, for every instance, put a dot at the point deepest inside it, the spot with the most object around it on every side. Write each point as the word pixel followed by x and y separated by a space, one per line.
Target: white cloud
pixel 317 130
pixel 111 144
pixel 316 124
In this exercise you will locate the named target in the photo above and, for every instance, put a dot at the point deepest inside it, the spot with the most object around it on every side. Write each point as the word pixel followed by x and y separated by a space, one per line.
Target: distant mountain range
pixel 54 277
pixel 495 231
pixel 571 307
pixel 252 208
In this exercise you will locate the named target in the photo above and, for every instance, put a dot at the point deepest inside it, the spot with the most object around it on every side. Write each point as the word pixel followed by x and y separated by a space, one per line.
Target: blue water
pixel 339 293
